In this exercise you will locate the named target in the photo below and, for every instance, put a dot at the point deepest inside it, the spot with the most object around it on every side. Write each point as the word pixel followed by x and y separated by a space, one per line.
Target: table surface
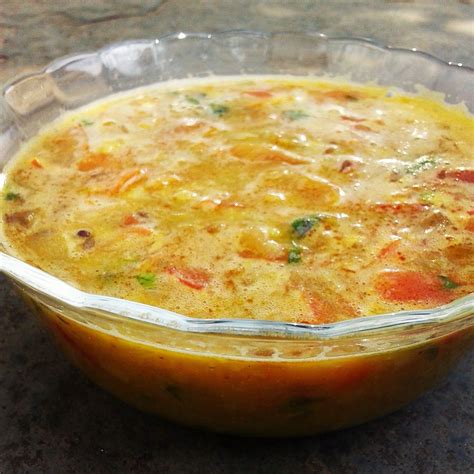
pixel 53 420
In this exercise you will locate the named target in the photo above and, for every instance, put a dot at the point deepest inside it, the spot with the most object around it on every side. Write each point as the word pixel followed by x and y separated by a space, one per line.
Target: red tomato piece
pixel 141 230
pixel 259 93
pixel 470 225
pixel 461 175
pixel 130 220
pixel 92 161
pixel 411 286
pixel 192 277
pixel 322 310
pixel 36 164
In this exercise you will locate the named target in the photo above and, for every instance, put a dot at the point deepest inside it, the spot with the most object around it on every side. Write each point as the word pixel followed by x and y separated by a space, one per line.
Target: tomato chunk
pixel 130 220
pixel 193 277
pixel 259 93
pixel 321 310
pixel 411 286
pixel 36 163
pixel 461 175
pixel 92 161
pixel 470 225
pixel 141 230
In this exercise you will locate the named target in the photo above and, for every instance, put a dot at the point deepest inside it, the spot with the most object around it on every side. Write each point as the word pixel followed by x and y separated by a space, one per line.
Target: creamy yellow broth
pixel 253 197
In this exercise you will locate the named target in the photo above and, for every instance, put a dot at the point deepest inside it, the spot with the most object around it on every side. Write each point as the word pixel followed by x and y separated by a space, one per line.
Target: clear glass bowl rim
pixel 59 293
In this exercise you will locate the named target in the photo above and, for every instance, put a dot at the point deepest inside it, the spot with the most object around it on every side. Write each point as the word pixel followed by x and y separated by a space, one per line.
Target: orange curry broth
pixel 259 396
pixel 256 197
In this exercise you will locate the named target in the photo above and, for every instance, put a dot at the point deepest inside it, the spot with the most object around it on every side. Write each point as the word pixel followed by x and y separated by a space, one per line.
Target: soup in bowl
pixel 218 250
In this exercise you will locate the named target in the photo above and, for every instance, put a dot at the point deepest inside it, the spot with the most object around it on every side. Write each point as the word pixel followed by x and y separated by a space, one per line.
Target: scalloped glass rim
pixel 65 295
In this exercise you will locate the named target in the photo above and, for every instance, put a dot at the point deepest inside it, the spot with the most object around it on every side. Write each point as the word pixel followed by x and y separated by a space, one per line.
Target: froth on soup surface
pixel 273 198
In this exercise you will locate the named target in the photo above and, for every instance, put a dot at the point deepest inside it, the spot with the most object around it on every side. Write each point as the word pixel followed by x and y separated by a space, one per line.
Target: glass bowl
pixel 246 377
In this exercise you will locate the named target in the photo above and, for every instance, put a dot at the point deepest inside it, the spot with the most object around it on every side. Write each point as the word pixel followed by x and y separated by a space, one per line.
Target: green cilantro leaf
pixel 295 114
pixel 447 283
pixel 12 196
pixel 421 164
pixel 294 255
pixel 147 280
pixel 427 197
pixel 86 123
pixel 192 100
pixel 303 225
pixel 219 109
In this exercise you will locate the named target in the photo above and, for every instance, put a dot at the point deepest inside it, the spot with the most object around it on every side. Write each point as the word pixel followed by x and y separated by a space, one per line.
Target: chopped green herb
pixel 294 255
pixel 12 196
pixel 295 114
pixel 86 123
pixel 192 100
pixel 421 164
pixel 219 109
pixel 427 197
pixel 447 283
pixel 303 225
pixel 147 280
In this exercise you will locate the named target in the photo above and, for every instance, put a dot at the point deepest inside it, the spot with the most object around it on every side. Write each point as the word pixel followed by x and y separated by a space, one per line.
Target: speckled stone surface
pixel 52 420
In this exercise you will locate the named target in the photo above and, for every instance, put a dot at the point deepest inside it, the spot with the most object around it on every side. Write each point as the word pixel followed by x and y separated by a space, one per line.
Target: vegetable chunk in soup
pixel 262 197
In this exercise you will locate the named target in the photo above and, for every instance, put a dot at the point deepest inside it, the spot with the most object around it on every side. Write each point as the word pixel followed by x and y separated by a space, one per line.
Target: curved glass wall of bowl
pixel 78 79
pixel 31 101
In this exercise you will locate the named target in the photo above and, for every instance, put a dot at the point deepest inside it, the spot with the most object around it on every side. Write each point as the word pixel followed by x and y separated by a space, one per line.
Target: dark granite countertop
pixel 52 420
